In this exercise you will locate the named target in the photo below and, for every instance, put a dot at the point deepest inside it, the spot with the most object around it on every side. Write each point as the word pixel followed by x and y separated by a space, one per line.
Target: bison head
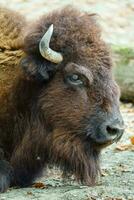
pixel 79 99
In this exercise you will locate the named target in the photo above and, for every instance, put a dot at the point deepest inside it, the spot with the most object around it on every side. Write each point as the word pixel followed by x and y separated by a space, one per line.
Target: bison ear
pixel 38 69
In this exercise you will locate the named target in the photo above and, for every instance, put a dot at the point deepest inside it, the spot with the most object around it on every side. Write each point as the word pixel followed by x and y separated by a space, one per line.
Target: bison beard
pixel 75 157
pixel 65 151
pixel 45 119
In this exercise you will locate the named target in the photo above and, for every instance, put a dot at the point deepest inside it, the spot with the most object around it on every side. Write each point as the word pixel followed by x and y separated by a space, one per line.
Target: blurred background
pixel 116 18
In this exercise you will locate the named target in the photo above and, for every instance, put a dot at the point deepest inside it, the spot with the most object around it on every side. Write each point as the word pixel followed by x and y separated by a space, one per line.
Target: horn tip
pixel 51 28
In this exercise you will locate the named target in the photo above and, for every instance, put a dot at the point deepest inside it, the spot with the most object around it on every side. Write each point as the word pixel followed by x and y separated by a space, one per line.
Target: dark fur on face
pixel 53 119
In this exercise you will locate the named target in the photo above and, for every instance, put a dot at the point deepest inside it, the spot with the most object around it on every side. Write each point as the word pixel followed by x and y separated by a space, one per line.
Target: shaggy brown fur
pixel 11 40
pixel 44 118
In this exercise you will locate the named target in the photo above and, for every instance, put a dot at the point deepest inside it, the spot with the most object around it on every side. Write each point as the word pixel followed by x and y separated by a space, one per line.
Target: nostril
pixel 112 130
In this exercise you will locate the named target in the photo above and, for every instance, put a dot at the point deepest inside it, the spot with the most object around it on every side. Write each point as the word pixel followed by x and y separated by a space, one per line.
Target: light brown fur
pixel 11 43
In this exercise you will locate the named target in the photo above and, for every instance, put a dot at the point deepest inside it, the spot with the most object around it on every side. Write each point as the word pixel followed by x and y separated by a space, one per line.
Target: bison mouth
pixel 102 140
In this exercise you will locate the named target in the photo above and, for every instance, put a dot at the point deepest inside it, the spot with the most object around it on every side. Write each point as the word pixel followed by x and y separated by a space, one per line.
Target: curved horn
pixel 47 52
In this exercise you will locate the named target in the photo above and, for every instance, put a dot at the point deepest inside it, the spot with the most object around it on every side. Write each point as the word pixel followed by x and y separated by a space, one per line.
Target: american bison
pixel 59 103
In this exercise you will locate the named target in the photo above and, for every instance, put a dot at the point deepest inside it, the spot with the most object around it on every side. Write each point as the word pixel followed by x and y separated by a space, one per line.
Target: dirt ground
pixel 117 161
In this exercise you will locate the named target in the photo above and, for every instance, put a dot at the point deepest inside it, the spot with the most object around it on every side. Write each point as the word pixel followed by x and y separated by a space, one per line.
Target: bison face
pixel 83 103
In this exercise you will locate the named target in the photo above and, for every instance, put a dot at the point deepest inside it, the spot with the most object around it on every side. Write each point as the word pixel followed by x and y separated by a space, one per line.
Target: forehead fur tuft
pixel 75 33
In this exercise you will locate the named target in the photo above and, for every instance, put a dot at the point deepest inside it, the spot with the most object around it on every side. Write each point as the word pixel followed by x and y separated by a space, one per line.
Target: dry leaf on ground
pixel 125 147
pixel 39 185
pixel 132 140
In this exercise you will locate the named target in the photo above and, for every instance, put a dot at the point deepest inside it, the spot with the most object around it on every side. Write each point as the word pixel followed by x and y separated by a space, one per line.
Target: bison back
pixel 11 44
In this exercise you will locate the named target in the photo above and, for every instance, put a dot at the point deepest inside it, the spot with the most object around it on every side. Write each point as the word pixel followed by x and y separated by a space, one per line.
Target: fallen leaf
pixel 132 140
pixel 125 147
pixel 39 185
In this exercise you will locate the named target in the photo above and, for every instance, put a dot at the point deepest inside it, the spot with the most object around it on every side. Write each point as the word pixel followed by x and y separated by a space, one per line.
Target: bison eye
pixel 74 79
